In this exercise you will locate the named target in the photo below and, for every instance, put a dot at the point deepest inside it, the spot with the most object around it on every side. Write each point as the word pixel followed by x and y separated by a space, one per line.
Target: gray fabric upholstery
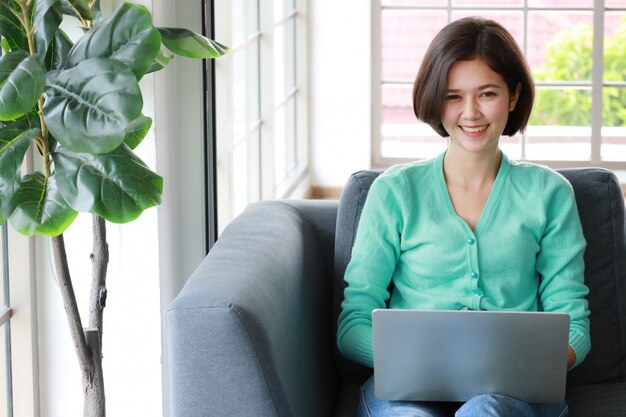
pixel 253 331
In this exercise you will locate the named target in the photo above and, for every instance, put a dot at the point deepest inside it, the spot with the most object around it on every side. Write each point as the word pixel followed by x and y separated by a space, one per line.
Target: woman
pixel 469 228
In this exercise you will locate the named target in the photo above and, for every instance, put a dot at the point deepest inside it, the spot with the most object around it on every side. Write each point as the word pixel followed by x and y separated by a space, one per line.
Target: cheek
pixel 498 112
pixel 449 116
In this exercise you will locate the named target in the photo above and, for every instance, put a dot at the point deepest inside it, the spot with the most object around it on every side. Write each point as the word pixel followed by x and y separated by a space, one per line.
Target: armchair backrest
pixel 601 207
pixel 600 203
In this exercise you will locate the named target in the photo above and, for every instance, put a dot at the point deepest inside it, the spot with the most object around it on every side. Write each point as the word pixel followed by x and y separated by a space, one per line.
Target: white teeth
pixel 473 129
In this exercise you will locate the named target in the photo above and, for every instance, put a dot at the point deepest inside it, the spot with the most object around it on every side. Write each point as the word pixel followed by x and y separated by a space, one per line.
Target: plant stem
pixel 97 302
pixel 99 263
pixel 69 302
pixel 32 48
pixel 87 342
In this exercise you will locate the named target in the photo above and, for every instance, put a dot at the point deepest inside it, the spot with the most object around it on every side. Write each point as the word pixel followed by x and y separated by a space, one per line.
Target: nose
pixel 471 110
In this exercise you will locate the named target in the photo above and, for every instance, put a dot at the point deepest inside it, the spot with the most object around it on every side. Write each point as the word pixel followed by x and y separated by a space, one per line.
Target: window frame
pixel 5 319
pixel 261 180
pixel 596 84
pixel 24 341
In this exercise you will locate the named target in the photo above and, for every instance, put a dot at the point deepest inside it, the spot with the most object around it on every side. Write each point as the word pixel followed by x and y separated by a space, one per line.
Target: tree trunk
pixel 87 342
pixel 93 381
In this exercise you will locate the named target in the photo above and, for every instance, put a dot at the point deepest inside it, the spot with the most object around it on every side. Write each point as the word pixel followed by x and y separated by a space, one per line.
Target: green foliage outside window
pixel 569 58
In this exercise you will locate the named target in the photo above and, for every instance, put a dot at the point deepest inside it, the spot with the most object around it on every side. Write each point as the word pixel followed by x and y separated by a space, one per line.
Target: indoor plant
pixel 78 103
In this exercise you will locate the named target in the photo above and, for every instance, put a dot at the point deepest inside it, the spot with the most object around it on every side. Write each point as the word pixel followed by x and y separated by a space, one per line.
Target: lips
pixel 473 129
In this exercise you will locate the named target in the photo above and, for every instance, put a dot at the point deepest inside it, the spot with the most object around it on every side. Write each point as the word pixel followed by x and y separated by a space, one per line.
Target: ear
pixel 515 97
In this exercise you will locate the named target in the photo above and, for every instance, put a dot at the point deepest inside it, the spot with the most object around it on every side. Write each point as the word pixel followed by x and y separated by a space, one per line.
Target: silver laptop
pixel 455 355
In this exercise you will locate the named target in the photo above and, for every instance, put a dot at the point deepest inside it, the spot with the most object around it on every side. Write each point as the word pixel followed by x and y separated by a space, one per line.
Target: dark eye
pixel 452 97
pixel 489 94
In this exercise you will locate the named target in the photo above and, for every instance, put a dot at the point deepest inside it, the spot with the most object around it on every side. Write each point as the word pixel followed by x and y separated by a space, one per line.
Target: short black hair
pixel 463 40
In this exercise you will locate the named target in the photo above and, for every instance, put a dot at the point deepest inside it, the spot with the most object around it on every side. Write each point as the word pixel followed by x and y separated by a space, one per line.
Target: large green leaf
pixel 78 8
pixel 88 107
pixel 46 19
pixel 128 36
pixel 192 45
pixel 160 62
pixel 58 50
pixel 39 207
pixel 11 30
pixel 14 141
pixel 137 131
pixel 117 186
pixel 22 80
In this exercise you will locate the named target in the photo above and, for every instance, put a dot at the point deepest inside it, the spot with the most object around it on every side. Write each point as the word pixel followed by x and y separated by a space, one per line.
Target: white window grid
pixel 262 143
pixel 595 85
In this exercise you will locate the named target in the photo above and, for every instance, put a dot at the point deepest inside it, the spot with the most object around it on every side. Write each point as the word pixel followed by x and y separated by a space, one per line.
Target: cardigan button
pixel 473 275
pixel 470 241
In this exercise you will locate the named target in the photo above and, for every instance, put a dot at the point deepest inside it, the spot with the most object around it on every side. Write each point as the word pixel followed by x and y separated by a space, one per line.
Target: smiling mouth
pixel 473 129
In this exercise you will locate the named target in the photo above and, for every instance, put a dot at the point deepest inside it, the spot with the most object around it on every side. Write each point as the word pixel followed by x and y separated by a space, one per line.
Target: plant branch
pixel 99 263
pixel 69 302
pixel 25 21
pixel 45 148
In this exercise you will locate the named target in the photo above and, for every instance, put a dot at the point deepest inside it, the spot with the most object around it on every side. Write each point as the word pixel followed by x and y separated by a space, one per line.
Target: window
pixel 576 54
pixel 261 123
pixel 6 380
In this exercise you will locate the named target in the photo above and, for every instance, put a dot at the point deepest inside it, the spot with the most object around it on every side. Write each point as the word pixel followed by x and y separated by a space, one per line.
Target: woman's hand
pixel 571 357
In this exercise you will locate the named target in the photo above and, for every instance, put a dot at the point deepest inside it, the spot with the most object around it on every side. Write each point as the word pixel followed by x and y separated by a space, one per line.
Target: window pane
pixel 560 3
pixel 614 124
pixel 284 60
pixel 614 103
pixel 562 107
pixel 406 35
pixel 246 173
pixel 615 46
pixel 512 146
pixel 560 45
pixel 285 143
pixel 560 121
pixel 414 141
pixel 398 104
pixel 613 144
pixel 246 14
pixel 402 134
pixel 245 90
pixel 282 8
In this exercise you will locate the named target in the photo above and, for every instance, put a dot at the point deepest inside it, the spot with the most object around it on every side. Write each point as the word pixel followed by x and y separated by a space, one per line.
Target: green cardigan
pixel 526 252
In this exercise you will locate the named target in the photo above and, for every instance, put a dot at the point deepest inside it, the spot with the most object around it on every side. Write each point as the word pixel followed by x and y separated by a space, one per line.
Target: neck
pixel 471 171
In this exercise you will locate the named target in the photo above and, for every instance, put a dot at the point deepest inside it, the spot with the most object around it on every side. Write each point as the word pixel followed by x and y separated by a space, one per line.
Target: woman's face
pixel 477 106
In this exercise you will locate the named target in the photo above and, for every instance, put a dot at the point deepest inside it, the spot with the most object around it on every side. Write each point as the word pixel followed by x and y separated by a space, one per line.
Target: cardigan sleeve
pixel 368 275
pixel 560 261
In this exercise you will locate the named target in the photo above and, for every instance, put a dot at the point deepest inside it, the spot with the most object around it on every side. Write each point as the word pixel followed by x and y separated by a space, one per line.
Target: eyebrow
pixel 482 87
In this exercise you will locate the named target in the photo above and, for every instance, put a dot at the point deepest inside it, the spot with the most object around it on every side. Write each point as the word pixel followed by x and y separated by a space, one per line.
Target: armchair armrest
pixel 251 333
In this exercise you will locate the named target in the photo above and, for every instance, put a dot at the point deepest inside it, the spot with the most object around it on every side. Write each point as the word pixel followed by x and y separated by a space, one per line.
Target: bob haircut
pixel 464 40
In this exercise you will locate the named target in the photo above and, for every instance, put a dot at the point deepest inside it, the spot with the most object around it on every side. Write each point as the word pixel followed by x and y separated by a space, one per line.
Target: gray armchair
pixel 253 331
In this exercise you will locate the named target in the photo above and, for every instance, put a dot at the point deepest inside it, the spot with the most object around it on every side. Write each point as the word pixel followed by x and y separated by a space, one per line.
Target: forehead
pixel 471 75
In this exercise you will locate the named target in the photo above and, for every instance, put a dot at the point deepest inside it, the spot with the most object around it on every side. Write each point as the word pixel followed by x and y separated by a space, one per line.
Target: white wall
pixel 340 60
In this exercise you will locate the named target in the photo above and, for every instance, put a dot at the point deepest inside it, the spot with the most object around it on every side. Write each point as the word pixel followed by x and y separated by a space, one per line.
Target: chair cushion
pixel 601 207
pixel 600 400
pixel 348 215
